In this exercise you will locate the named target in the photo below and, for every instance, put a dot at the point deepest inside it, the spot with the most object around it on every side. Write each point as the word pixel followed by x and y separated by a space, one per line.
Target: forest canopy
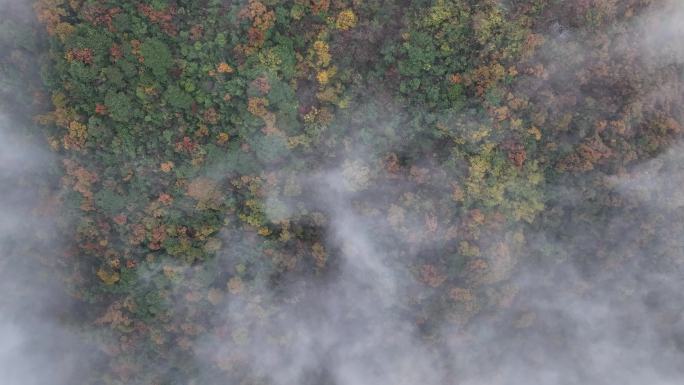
pixel 349 191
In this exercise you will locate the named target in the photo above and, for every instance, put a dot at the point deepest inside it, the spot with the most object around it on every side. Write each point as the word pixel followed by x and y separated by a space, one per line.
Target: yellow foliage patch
pixel 224 68
pixel 166 166
pixel 345 20
pixel 109 278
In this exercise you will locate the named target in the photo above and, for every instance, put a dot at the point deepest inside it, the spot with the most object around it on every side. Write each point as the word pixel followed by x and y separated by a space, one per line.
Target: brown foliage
pixel 262 20
pixel 211 116
pixel 81 181
pixel 585 156
pixel 391 163
pixel 318 6
pixel 162 17
pixel 115 52
pixel 50 13
pixel 98 15
pixel 202 189
pixel 84 55
pixel 432 275
pixel 517 154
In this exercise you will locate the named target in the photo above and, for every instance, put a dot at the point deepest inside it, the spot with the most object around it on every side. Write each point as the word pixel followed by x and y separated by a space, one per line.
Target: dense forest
pixel 341 192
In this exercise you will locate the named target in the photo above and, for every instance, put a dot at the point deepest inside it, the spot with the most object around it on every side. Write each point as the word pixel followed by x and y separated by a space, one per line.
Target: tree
pixel 157 57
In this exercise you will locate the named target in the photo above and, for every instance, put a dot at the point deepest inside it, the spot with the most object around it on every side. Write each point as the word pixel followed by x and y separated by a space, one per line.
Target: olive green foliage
pixel 157 57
